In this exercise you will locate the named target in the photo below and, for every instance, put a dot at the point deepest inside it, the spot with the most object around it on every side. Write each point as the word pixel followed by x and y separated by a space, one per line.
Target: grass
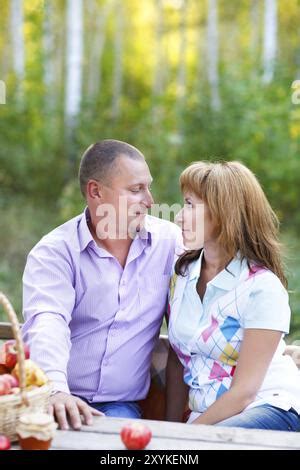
pixel 292 244
pixel 23 223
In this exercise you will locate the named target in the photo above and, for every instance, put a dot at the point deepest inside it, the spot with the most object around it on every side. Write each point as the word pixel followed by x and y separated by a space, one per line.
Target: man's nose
pixel 148 200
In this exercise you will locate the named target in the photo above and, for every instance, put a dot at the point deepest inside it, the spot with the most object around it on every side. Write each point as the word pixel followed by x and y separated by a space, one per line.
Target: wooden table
pixel 104 435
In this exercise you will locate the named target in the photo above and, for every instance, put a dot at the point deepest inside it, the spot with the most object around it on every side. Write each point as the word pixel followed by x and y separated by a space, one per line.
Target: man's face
pixel 128 193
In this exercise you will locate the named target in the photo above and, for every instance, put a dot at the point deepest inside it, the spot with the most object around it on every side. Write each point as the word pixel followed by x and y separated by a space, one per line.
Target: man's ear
pixel 93 189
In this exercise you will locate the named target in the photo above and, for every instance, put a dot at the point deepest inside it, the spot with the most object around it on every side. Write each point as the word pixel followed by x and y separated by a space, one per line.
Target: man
pixel 95 290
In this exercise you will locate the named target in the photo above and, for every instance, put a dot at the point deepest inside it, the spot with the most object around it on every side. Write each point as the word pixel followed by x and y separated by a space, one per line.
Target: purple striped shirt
pixel 90 324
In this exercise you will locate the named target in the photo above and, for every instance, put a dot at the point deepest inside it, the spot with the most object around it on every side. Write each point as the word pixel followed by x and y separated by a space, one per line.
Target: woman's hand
pixel 257 350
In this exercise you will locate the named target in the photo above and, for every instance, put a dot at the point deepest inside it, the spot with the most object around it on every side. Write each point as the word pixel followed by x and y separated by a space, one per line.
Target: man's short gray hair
pixel 99 159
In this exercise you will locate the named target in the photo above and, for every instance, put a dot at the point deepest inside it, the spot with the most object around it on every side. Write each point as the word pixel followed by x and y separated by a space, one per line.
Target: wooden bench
pixel 153 407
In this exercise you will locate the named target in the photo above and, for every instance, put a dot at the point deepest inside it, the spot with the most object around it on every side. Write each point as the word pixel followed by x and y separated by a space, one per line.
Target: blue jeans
pixel 117 409
pixel 265 417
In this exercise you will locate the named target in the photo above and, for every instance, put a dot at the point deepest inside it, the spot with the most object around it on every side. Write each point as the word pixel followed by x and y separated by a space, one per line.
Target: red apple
pixel 8 354
pixel 135 436
pixel 5 387
pixel 13 381
pixel 3 369
pixel 4 442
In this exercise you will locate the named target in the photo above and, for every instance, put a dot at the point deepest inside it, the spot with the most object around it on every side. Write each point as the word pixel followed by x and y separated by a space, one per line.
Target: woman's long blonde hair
pixel 239 207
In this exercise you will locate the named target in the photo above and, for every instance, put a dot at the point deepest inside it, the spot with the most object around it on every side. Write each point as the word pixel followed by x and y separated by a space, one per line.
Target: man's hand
pixel 68 409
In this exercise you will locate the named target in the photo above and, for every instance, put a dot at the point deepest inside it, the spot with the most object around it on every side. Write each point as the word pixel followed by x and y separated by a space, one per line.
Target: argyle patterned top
pixel 207 335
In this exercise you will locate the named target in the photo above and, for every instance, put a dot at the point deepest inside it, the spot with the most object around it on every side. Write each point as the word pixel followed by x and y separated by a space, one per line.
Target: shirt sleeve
pixel 48 302
pixel 268 306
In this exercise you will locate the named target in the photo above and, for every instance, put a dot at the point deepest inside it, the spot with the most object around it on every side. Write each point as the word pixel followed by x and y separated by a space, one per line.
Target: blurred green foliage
pixel 257 123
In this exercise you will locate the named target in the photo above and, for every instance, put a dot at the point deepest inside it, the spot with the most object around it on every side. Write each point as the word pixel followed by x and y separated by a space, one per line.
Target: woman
pixel 229 307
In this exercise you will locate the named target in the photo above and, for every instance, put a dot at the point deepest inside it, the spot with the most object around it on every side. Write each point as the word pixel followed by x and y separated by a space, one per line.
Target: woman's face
pixel 196 222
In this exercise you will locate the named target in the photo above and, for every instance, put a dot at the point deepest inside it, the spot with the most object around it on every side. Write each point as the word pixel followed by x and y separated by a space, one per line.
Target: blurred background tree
pixel 182 80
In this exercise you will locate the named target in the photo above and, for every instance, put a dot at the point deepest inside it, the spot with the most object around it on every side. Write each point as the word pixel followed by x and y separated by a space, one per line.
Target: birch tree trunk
pixel 48 45
pixel 157 86
pixel 17 38
pixel 118 61
pixel 5 52
pixel 96 47
pixel 181 77
pixel 73 61
pixel 213 54
pixel 160 64
pixel 255 25
pixel 176 138
pixel 270 40
pixel 2 92
pixel 201 52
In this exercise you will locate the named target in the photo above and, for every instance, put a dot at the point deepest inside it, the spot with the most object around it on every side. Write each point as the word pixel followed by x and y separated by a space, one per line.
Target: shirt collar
pixel 145 233
pixel 227 278
pixel 85 236
pixel 195 268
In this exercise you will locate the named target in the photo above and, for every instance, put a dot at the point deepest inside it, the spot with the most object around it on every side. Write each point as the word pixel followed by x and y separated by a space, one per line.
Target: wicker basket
pixel 12 406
